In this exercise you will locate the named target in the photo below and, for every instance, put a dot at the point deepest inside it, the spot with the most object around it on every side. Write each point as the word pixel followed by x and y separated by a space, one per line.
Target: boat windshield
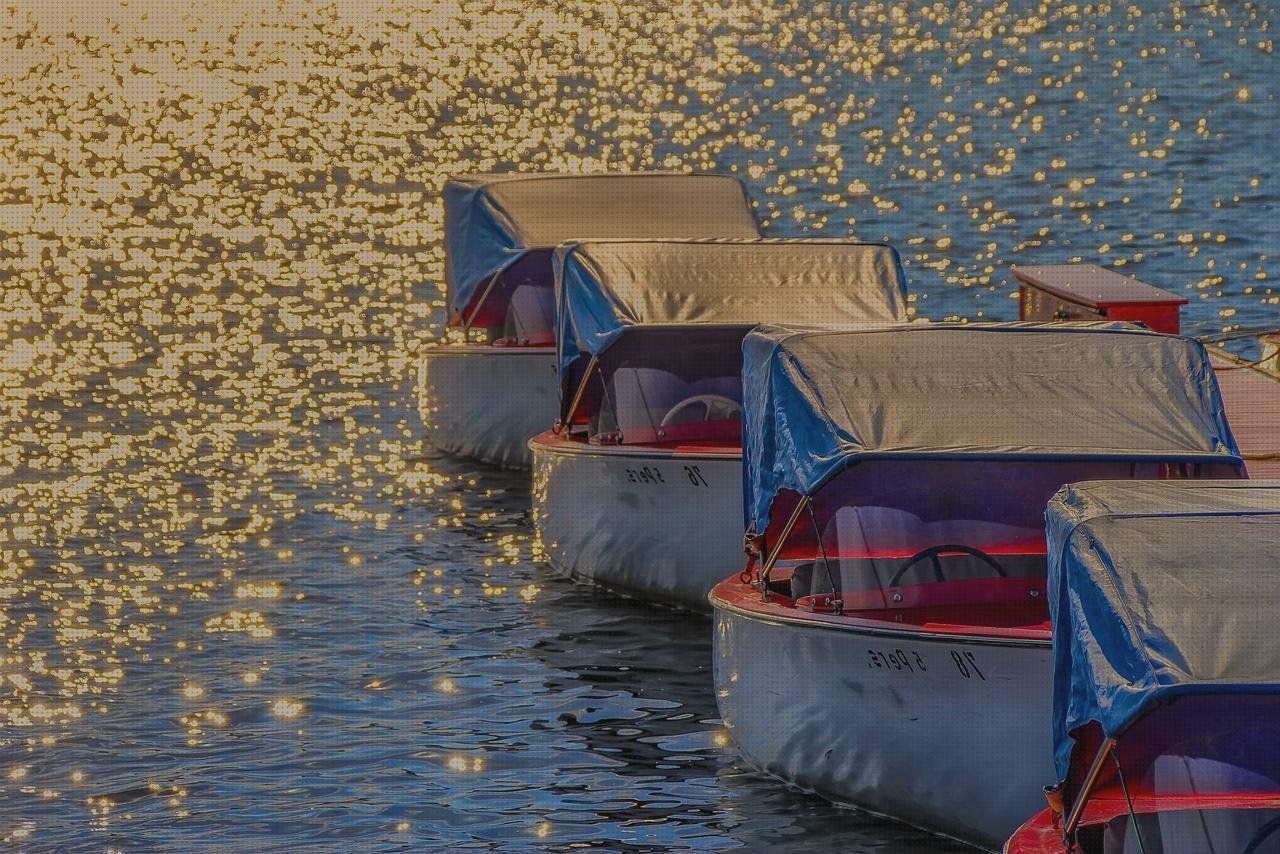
pixel 679 391
pixel 531 317
pixel 1188 831
pixel 517 307
pixel 903 523
pixel 657 405
pixel 1200 773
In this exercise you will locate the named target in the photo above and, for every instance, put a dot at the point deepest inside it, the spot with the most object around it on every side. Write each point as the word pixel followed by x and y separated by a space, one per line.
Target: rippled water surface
pixel 241 604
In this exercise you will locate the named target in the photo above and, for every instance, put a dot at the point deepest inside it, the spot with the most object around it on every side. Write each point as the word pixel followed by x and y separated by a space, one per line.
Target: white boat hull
pixel 949 734
pixel 653 524
pixel 485 402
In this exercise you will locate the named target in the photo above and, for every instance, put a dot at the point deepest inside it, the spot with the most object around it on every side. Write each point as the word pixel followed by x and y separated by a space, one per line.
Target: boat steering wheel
pixel 933 552
pixel 710 403
pixel 1263 833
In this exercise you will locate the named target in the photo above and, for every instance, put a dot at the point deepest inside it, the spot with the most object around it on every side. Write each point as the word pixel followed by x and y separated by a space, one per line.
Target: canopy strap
pixel 1086 788
pixel 782 541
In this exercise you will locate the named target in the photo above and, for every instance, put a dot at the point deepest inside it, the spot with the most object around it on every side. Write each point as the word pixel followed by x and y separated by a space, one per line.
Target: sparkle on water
pixel 241 603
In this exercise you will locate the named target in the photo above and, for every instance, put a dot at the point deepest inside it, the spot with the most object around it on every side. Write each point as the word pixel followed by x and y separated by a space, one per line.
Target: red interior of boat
pixel 802 544
pixel 995 602
pixel 706 446
pixel 1013 607
pixel 990 607
pixel 1001 607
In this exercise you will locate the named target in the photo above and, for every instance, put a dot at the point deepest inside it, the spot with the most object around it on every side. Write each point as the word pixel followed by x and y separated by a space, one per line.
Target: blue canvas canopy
pixel 493 221
pixel 608 288
pixel 816 402
pixel 1159 589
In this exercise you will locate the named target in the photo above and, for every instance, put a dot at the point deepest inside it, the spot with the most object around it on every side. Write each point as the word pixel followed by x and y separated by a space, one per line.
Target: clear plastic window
pixel 670 386
pixel 531 316
pixel 650 402
pixel 896 523
pixel 1188 831
pixel 1203 773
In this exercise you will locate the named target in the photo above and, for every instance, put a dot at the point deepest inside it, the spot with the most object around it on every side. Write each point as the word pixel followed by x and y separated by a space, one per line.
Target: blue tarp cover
pixel 490 221
pixel 816 401
pixel 606 288
pixel 1160 588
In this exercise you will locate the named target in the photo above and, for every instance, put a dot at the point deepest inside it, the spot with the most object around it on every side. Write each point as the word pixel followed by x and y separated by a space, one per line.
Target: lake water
pixel 242 605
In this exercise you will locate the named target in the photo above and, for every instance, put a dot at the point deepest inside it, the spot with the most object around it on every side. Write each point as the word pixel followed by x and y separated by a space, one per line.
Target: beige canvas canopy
pixel 607 287
pixel 816 403
pixel 493 221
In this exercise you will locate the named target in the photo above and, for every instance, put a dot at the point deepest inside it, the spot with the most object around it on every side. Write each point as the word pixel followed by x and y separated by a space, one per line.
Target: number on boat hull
pixel 653 476
pixel 695 476
pixel 967 664
pixel 645 474
pixel 912 662
pixel 898 659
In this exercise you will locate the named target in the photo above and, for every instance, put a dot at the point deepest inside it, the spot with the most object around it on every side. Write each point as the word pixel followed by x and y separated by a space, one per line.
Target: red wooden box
pixel 1089 292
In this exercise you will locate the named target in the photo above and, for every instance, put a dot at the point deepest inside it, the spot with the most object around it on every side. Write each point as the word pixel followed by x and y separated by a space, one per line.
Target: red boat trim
pixel 549 442
pixel 733 596
pixel 804 551
pixel 1102 809
pixel 1042 833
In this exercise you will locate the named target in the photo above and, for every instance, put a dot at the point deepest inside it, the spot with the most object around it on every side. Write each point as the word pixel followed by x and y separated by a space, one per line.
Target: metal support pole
pixel 466 327
pixel 1090 779
pixel 577 395
pixel 782 541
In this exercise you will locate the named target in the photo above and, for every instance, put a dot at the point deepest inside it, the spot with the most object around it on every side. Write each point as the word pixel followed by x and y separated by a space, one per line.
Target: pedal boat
pixel 486 391
pixel 888 644
pixel 1166 703
pixel 640 487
